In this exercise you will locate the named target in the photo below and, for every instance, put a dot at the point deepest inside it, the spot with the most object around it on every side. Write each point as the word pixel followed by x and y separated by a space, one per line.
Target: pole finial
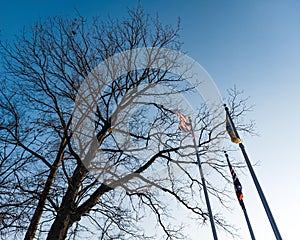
pixel 225 106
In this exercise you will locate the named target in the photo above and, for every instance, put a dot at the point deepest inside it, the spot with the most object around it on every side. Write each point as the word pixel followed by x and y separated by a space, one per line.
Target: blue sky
pixel 254 45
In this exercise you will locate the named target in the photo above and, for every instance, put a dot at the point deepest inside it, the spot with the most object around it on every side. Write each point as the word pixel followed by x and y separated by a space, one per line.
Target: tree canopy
pixel 87 153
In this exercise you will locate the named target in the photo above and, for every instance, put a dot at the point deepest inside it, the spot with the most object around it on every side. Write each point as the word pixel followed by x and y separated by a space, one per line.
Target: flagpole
pixel 248 223
pixel 242 205
pixel 256 182
pixel 213 228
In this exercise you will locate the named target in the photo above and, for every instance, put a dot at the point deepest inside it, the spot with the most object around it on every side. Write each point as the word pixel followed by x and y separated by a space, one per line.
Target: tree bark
pixel 43 197
pixel 64 220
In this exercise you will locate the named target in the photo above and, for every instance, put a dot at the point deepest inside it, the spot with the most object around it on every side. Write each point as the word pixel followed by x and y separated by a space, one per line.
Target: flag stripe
pixel 184 123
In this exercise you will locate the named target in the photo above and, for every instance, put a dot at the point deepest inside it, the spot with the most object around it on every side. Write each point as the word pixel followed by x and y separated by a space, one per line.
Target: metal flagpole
pixel 248 223
pixel 240 196
pixel 256 182
pixel 213 228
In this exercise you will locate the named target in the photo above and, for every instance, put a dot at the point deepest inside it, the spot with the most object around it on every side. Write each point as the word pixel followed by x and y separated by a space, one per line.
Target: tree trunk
pixel 64 219
pixel 62 223
pixel 40 207
pixel 43 197
pixel 67 213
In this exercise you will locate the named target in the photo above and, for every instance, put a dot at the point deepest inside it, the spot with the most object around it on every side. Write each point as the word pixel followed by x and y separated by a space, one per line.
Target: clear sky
pixel 254 45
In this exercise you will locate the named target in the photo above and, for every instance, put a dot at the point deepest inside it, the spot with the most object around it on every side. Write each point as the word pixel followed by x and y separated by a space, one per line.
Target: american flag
pixel 184 123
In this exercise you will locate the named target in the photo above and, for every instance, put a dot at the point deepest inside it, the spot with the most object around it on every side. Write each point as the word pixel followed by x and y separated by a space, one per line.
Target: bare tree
pixel 52 185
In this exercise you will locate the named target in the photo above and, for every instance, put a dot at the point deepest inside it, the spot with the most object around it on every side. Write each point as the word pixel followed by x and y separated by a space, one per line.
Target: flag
pixel 231 132
pixel 184 123
pixel 237 185
pixel 239 194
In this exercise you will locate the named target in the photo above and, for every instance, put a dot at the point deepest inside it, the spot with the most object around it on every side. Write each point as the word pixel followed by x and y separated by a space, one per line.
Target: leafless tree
pixel 48 188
